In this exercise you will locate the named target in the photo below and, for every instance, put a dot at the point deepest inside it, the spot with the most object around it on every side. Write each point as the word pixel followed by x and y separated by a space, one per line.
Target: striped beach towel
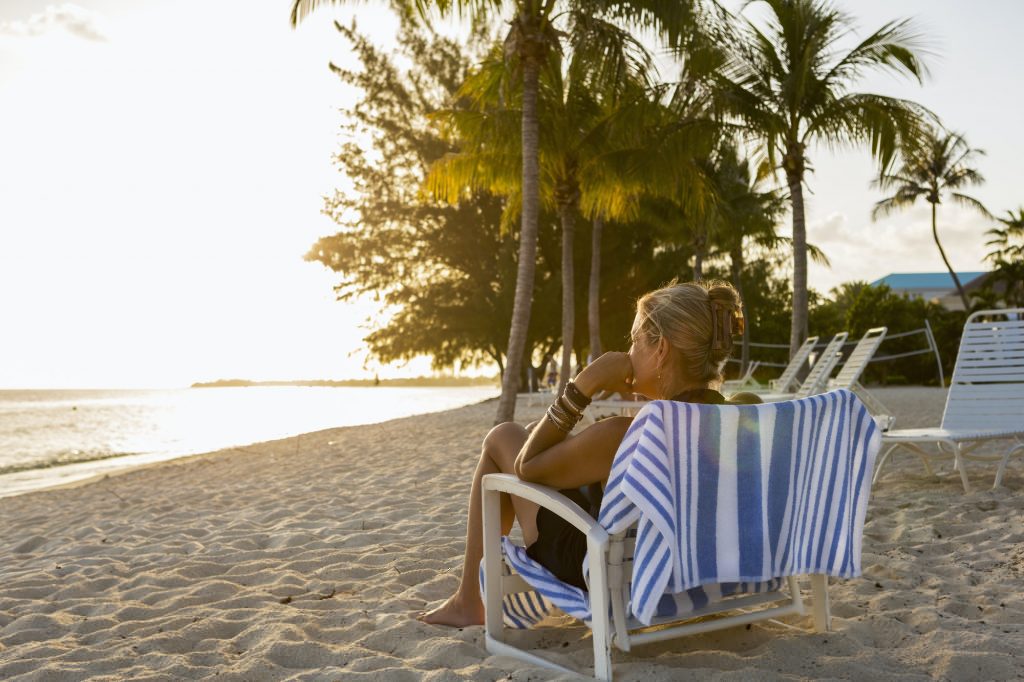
pixel 731 498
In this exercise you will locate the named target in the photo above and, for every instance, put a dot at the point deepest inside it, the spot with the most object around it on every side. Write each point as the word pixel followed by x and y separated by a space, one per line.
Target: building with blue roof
pixel 937 287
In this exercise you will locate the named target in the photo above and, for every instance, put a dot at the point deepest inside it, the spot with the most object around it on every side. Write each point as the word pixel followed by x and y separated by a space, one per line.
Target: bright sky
pixel 162 164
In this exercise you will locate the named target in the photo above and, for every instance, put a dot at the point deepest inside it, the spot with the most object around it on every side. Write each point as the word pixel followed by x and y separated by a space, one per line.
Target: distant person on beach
pixel 681 339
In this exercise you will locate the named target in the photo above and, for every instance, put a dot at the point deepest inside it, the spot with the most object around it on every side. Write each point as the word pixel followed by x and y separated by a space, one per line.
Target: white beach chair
pixel 624 408
pixel 985 401
pixel 753 510
pixel 816 380
pixel 745 381
pixel 851 371
pixel 787 381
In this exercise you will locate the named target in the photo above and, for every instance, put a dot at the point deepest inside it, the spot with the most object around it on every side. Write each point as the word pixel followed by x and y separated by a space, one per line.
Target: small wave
pixel 74 457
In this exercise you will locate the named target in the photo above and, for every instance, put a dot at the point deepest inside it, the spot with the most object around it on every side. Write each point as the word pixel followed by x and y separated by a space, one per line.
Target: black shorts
pixel 560 547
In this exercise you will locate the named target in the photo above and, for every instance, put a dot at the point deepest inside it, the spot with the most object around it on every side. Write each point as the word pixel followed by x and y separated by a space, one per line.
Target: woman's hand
pixel 612 372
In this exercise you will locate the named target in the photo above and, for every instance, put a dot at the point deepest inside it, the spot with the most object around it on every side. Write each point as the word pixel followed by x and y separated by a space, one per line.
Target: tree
pixel 935 165
pixel 746 215
pixel 876 306
pixel 1007 257
pixel 790 84
pixel 445 270
pixel 578 112
pixel 531 37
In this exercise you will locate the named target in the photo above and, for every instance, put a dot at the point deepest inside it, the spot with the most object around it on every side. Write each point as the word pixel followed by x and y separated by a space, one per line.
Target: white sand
pixel 305 559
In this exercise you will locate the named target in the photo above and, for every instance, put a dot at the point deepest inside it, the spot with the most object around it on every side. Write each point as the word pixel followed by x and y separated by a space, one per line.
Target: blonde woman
pixel 681 339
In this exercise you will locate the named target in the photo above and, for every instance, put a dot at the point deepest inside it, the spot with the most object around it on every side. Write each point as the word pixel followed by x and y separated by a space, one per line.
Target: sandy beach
pixel 306 558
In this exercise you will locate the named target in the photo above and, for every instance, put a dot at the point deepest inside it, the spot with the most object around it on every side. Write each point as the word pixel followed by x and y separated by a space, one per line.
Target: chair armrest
pixel 549 498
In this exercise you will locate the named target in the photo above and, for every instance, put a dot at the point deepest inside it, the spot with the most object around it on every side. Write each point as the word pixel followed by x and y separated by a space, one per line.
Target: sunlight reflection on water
pixel 40 429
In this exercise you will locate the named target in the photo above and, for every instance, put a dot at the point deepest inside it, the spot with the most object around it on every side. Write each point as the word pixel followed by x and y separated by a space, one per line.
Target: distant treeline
pixel 414 381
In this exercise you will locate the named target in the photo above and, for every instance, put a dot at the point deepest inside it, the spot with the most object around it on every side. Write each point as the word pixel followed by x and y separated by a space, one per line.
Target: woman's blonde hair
pixel 698 319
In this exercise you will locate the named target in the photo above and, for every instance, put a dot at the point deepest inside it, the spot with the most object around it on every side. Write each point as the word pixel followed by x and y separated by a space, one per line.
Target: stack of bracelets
pixel 567 411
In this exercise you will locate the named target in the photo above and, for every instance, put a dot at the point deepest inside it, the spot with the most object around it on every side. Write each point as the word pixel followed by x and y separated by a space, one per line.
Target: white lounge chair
pixel 787 381
pixel 985 400
pixel 748 502
pixel 851 371
pixel 625 408
pixel 747 381
pixel 816 380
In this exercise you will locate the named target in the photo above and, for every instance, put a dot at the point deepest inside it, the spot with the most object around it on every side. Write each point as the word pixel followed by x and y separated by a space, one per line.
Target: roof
pixel 925 280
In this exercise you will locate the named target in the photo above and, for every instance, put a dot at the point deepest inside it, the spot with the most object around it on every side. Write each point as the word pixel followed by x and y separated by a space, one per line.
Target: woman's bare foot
pixel 455 613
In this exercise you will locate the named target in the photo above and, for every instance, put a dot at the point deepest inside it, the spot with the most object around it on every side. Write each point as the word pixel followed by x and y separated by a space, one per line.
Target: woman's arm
pixel 549 458
pixel 553 460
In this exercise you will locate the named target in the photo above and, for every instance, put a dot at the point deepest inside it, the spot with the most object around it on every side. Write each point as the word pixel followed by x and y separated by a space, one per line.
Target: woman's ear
pixel 662 351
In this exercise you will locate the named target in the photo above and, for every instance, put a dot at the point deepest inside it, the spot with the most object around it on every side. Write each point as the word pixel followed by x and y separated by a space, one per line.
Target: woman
pixel 681 338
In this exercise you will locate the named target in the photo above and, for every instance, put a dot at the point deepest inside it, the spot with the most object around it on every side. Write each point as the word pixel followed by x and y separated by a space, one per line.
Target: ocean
pixel 52 437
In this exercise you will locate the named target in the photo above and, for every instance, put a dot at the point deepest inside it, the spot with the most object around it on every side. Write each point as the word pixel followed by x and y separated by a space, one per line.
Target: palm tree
pixel 579 129
pixel 935 165
pixel 790 84
pixel 531 38
pixel 1008 257
pixel 746 214
pixel 1004 239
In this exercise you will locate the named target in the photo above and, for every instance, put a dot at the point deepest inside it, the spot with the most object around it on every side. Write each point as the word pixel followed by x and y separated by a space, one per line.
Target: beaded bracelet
pixel 565 415
pixel 576 397
pixel 567 405
pixel 560 425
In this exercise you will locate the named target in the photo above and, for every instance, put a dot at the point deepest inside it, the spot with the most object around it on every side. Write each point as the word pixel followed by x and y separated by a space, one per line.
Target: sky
pixel 163 163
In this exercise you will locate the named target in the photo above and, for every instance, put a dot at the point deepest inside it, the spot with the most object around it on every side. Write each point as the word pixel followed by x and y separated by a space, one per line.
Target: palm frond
pixel 882 122
pixel 606 58
pixel 897 46
pixel 971 202
pixel 894 203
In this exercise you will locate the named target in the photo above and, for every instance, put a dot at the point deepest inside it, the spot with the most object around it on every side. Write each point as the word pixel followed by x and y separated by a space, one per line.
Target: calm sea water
pixel 49 437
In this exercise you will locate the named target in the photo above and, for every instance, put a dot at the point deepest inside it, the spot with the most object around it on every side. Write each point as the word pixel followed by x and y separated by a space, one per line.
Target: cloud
pixel 861 249
pixel 72 18
pixel 832 228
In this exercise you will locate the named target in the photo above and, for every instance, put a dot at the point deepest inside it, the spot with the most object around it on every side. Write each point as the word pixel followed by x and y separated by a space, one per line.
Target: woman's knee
pixel 504 437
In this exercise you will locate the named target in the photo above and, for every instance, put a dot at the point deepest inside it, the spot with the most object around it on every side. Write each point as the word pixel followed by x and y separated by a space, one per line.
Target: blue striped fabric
pixel 523 610
pixel 729 497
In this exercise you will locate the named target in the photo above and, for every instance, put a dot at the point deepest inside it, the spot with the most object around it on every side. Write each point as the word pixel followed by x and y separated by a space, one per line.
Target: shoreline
pixel 58 475
pixel 306 558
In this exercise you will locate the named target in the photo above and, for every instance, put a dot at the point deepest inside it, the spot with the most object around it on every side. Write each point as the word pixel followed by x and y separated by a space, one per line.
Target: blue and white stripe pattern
pixel 523 610
pixel 726 494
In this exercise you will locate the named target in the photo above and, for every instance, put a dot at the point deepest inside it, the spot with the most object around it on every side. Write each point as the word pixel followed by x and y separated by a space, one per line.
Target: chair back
pixel 986 391
pixel 858 361
pixel 817 379
pixel 788 377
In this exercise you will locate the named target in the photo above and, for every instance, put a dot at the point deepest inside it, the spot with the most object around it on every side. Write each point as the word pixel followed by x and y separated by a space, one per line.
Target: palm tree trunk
pixel 736 258
pixel 527 245
pixel 698 264
pixel 798 326
pixel 594 290
pixel 952 273
pixel 567 212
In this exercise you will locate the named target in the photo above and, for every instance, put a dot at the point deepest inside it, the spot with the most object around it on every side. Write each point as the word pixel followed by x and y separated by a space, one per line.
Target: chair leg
pixel 881 462
pixel 1002 464
pixel 494 622
pixel 819 603
pixel 961 467
pixel 602 659
pixel 599 608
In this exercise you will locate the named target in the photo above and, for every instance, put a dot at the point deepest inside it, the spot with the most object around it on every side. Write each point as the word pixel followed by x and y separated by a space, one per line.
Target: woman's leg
pixel 498 455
